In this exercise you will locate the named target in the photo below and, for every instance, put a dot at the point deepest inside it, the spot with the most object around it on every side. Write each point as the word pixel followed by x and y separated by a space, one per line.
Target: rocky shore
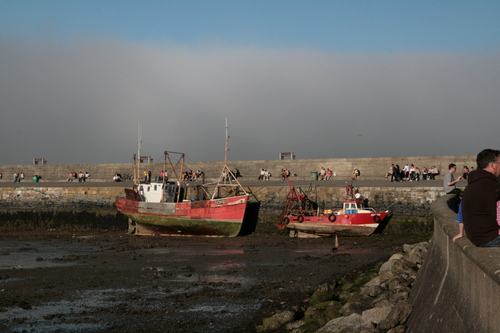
pixel 373 301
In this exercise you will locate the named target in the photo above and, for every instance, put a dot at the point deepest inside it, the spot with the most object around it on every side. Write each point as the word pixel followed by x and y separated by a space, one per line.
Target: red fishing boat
pixel 219 209
pixel 302 215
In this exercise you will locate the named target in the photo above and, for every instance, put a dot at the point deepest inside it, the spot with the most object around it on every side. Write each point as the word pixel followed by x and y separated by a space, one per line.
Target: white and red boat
pixel 302 215
pixel 164 208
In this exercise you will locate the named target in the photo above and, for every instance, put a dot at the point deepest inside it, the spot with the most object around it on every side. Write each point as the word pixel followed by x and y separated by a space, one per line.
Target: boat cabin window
pixel 350 205
pixel 173 193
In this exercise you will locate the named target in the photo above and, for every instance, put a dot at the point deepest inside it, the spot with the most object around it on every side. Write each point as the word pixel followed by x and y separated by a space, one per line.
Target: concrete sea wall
pixel 458 287
pixel 371 168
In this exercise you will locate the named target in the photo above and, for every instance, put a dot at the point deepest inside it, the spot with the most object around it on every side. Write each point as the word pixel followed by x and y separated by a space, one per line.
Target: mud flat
pixel 113 282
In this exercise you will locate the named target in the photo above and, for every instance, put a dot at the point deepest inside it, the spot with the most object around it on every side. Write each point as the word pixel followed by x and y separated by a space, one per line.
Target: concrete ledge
pixel 458 287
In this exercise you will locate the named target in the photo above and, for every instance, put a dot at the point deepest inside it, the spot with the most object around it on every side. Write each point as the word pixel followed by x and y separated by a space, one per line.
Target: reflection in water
pixel 221 272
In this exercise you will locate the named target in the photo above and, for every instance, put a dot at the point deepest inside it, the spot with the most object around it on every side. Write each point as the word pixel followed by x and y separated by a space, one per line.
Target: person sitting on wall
pixel 117 177
pixel 479 201
pixel 329 174
pixel 236 173
pixel 355 174
pixel 424 173
pixel 433 172
pixel 449 182
pixel 450 187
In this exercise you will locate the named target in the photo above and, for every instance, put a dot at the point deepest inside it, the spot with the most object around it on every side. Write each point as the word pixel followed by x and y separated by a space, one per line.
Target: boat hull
pixel 219 217
pixel 359 224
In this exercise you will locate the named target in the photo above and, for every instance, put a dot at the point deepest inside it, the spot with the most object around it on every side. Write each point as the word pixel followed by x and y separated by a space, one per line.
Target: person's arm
pixel 455 181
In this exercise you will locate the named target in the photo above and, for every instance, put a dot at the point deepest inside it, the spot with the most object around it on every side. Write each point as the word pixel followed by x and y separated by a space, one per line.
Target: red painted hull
pixel 358 224
pixel 219 217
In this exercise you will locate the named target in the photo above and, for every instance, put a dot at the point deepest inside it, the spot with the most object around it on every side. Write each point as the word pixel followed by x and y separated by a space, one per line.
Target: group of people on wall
pixel 81 176
pixel 410 173
pixel 18 177
pixel 478 205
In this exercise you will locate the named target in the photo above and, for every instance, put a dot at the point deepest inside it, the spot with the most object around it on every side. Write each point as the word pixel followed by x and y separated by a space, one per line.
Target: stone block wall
pixel 404 201
pixel 458 288
pixel 371 168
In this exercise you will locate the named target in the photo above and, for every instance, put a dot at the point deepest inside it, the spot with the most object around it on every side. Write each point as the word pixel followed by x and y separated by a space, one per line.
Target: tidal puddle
pixel 211 278
pixel 26 255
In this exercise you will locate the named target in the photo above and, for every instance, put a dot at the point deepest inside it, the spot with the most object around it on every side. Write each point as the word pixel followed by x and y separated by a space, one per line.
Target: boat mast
pixel 226 177
pixel 139 143
pixel 227 147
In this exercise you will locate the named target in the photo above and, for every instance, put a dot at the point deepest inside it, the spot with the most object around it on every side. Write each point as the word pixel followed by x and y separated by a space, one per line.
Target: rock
pixel 371 291
pixel 394 268
pixel 397 329
pixel 354 307
pixel 293 326
pixel 377 314
pixel 323 312
pixel 396 256
pixel 380 305
pixel 398 315
pixel 278 319
pixel 417 253
pixel 400 295
pixel 372 288
pixel 324 293
pixel 349 324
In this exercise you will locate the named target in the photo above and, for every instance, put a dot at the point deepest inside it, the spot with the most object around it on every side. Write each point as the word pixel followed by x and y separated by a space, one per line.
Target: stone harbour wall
pixel 404 201
pixel 371 168
pixel 58 199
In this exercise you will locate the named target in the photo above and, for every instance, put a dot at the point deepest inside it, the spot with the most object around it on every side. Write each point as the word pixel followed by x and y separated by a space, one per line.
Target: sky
pixel 84 81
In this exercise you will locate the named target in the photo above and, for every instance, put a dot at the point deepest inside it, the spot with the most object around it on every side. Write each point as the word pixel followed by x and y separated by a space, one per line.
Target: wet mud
pixel 114 282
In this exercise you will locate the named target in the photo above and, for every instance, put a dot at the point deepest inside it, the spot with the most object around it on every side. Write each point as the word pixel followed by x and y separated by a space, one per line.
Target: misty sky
pixel 324 79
